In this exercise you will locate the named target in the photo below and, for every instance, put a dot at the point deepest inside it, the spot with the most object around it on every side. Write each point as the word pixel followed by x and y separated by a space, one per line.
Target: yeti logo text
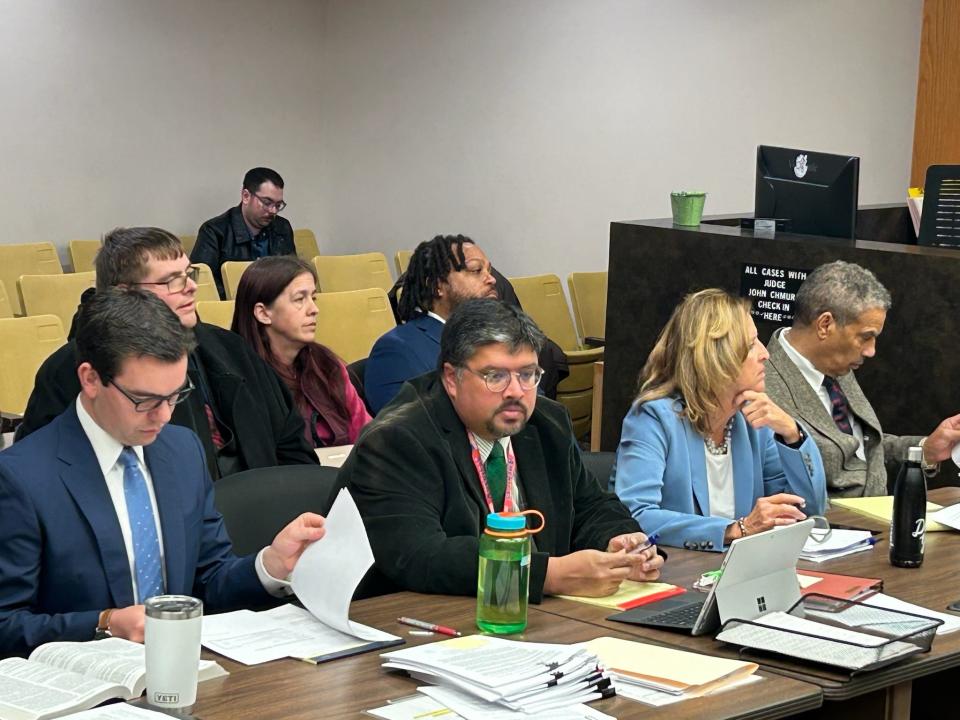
pixel 166 698
pixel 800 169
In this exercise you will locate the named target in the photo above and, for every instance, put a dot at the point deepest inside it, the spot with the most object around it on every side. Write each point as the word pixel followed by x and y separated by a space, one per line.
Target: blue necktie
pixel 146 546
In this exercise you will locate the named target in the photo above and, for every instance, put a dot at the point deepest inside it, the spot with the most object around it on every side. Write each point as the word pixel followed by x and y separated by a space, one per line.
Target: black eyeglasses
pixel 497 379
pixel 270 204
pixel 148 404
pixel 178 283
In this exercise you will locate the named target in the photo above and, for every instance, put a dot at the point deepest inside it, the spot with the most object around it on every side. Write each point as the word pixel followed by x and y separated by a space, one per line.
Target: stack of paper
pixel 518 676
pixel 675 672
pixel 458 704
pixel 324 580
pixel 838 544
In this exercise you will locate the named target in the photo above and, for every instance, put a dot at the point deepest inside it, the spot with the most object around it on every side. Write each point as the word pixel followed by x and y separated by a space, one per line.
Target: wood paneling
pixel 936 133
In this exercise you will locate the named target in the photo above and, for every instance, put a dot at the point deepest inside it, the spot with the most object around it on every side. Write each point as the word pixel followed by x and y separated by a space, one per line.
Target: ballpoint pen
pixel 651 541
pixel 443 630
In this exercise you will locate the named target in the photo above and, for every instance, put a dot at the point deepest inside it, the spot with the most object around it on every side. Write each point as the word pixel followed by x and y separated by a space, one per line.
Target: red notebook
pixel 845 587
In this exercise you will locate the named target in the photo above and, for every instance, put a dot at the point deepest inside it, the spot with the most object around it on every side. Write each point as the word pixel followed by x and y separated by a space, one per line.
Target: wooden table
pixel 343 688
pixel 880 693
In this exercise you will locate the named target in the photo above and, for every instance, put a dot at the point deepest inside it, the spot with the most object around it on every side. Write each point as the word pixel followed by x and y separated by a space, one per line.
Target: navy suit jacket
pixel 401 354
pixel 63 558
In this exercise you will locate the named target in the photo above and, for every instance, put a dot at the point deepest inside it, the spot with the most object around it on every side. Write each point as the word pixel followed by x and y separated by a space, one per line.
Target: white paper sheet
pixel 473 708
pixel 329 571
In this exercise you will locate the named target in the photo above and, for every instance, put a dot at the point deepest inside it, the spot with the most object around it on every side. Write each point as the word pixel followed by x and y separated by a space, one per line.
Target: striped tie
pixel 839 408
pixel 496 471
pixel 146 545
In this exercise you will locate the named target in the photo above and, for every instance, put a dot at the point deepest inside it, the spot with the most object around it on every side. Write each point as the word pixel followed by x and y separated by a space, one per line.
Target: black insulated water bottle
pixel 908 524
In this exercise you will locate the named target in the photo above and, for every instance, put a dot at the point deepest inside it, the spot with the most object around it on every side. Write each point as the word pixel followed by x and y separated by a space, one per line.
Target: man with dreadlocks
pixel 443 272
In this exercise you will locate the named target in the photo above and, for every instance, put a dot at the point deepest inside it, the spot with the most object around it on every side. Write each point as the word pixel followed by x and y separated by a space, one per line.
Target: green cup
pixel 687 207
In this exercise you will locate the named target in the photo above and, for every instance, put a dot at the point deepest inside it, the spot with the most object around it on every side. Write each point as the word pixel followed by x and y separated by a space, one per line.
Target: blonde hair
pixel 698 355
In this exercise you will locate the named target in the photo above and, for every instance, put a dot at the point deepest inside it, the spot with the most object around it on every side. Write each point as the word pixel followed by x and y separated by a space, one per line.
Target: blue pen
pixel 651 541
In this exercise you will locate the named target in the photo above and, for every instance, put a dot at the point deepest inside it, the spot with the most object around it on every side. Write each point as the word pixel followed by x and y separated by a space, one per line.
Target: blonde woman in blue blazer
pixel 705 456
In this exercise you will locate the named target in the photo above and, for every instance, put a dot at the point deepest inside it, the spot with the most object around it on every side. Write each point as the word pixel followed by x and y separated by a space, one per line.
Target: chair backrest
pixel 231 271
pixel 349 323
pixel 402 261
pixel 26 259
pixel 24 344
pixel 338 273
pixel 216 312
pixel 256 504
pixel 188 241
pixel 542 299
pixel 54 294
pixel 600 464
pixel 305 241
pixel 206 287
pixel 588 295
pixel 83 253
pixel 6 309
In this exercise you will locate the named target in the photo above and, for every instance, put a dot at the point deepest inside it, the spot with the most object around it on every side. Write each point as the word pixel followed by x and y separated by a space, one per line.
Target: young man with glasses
pixel 253 229
pixel 473 438
pixel 241 411
pixel 108 505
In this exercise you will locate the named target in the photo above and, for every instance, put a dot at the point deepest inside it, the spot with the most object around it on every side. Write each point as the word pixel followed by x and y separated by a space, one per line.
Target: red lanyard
pixel 508 502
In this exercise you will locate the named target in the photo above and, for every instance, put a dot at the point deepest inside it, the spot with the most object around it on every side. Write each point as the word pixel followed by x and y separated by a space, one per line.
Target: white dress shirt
pixel 108 449
pixel 815 379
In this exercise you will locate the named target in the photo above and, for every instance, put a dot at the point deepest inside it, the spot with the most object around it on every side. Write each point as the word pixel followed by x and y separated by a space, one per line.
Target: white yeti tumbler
pixel 172 642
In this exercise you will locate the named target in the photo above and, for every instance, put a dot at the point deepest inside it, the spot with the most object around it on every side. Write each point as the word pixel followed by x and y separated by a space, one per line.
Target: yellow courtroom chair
pixel 350 322
pixel 24 344
pixel 231 271
pixel 26 259
pixel 338 273
pixel 83 253
pixel 206 287
pixel 542 298
pixel 305 241
pixel 402 261
pixel 188 241
pixel 54 294
pixel 6 310
pixel 216 312
pixel 588 295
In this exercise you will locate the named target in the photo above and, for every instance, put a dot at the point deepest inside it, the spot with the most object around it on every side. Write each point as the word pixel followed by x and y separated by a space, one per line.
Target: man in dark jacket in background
pixel 253 229
pixel 241 411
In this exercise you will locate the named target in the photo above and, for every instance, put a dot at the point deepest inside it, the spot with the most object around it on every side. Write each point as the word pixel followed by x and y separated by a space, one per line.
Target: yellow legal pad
pixel 630 591
pixel 880 508
pixel 668 669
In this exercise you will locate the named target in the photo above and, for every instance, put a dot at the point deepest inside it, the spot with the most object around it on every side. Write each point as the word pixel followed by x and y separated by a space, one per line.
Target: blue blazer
pixel 403 353
pixel 63 558
pixel 661 474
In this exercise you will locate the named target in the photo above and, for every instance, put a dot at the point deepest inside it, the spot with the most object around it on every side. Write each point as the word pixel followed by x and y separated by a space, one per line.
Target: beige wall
pixel 529 124
pixel 119 112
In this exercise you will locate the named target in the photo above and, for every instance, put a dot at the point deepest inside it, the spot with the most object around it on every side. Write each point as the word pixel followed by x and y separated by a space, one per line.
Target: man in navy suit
pixel 108 504
pixel 443 272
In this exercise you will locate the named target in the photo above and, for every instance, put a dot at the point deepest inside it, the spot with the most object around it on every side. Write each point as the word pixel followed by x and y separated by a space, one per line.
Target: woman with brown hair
pixel 705 456
pixel 275 312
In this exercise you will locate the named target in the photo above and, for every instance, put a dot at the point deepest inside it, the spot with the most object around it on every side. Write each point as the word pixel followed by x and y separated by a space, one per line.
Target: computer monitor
pixel 816 191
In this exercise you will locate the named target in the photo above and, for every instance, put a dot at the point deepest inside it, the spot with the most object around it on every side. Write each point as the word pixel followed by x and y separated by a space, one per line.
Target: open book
pixel 64 677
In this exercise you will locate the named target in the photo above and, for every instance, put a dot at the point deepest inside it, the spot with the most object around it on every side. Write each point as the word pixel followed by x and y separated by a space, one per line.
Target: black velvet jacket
pixel 413 479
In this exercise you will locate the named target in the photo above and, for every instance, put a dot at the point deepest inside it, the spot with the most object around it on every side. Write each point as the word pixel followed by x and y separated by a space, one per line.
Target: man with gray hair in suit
pixel 839 313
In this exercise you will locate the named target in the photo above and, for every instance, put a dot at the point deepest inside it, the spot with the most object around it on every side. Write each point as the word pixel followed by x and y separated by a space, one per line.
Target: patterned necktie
pixel 146 546
pixel 496 471
pixel 839 407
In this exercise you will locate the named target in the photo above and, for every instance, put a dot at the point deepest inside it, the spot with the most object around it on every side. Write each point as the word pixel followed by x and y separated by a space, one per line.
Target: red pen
pixel 428 626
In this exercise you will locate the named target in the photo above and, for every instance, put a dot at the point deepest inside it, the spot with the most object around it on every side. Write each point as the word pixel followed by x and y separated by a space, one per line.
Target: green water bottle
pixel 503 580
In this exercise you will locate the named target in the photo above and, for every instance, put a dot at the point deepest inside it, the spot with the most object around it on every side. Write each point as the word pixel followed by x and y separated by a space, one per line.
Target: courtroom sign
pixel 771 290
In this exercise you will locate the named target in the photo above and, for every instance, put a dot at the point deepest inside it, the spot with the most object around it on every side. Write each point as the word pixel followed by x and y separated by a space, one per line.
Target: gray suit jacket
pixel 847 475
